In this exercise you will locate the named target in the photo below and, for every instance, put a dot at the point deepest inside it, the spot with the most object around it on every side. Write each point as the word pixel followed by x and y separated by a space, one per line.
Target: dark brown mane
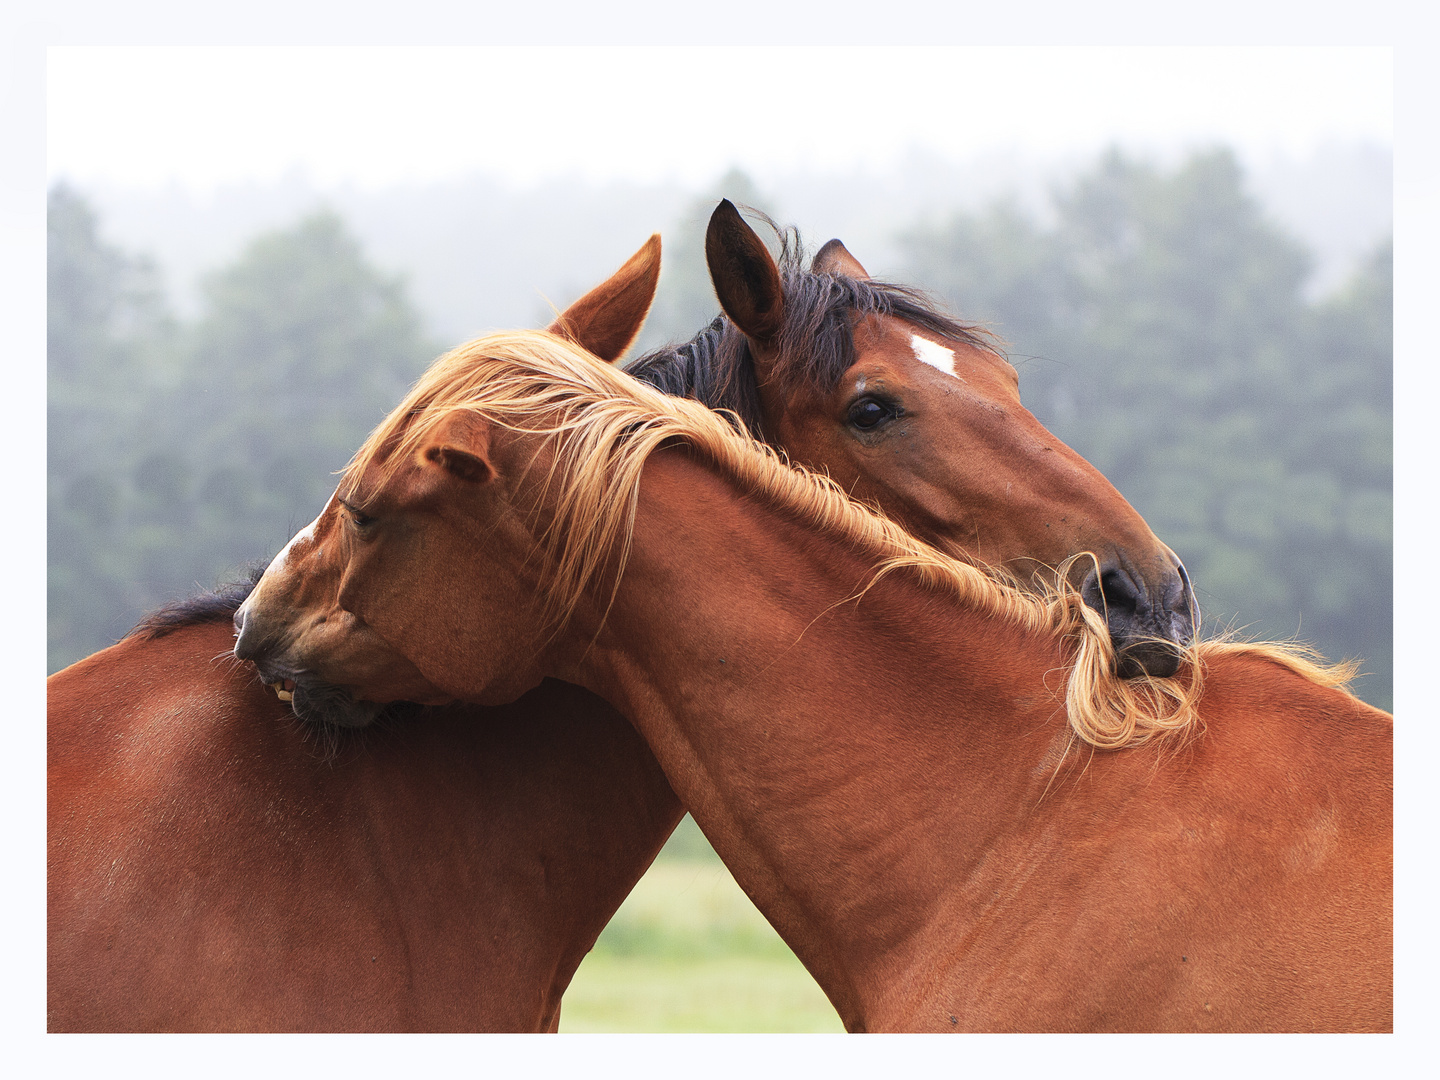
pixel 217 605
pixel 817 345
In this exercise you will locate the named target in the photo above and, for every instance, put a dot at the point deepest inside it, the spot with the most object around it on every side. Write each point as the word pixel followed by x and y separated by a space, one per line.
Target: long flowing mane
pixel 602 425
pixel 816 346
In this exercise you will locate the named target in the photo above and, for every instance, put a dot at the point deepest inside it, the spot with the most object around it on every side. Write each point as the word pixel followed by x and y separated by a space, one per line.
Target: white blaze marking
pixel 275 564
pixel 304 534
pixel 937 356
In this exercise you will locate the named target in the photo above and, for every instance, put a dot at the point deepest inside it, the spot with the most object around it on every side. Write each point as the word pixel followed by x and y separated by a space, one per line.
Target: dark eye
pixel 358 517
pixel 869 413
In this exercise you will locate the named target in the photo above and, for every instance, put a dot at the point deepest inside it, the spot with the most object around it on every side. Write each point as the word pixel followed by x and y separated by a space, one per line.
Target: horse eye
pixel 358 517
pixel 869 413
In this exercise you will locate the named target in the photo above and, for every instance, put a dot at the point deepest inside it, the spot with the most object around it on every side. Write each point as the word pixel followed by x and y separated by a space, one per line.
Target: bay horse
pixel 877 739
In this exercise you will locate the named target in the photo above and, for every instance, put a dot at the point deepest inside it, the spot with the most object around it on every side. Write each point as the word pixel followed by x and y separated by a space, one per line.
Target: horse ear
pixel 834 259
pixel 745 277
pixel 608 318
pixel 460 445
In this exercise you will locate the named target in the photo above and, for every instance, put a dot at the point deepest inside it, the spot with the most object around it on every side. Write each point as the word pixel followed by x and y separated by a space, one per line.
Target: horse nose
pixel 246 646
pixel 1150 620
pixel 1181 605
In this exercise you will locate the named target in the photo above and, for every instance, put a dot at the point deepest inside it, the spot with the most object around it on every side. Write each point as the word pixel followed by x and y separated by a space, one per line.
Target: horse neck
pixel 823 747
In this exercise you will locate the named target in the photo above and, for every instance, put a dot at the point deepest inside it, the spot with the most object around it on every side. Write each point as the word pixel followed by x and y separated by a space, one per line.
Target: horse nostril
pixel 1119 592
pixel 1181 607
pixel 1111 592
pixel 1184 603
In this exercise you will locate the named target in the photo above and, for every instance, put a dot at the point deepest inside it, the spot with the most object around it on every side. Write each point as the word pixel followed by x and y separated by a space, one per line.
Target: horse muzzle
pixel 1151 620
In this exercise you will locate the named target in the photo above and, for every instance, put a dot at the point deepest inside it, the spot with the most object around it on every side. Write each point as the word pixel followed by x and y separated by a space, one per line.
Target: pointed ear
pixel 608 318
pixel 745 277
pixel 460 445
pixel 834 259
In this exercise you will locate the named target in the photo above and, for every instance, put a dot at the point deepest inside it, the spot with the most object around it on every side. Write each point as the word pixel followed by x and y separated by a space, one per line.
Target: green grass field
pixel 687 951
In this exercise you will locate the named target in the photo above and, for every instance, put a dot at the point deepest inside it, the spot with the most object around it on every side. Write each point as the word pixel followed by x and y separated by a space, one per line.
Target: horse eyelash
pixel 358 516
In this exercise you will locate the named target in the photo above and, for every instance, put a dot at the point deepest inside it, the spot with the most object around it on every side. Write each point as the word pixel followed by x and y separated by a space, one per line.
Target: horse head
pixel 917 414
pixel 313 616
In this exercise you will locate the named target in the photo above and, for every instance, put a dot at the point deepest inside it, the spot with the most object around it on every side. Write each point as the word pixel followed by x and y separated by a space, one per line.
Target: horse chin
pixel 330 706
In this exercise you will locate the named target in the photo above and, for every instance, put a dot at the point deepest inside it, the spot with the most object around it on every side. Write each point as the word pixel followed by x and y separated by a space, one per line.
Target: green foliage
pixel 739 994
pixel 689 909
pixel 302 349
pixel 104 307
pixel 109 334
pixel 687 843
pixel 687 951
pixel 1161 329
pixel 179 453
pixel 107 328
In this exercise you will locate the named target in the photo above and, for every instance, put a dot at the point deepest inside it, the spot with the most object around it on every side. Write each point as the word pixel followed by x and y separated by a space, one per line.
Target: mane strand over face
pixel 601 426
pixel 816 346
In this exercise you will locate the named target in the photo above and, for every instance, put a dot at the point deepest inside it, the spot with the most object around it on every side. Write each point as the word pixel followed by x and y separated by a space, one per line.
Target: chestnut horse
pixel 877 739
pixel 180 977
pixel 211 870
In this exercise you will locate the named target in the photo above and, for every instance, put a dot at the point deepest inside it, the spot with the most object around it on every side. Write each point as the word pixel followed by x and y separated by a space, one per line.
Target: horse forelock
pixel 817 341
pixel 601 427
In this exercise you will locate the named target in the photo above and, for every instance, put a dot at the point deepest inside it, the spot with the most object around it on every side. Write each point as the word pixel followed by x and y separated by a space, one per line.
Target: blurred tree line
pixel 1159 323
pixel 177 453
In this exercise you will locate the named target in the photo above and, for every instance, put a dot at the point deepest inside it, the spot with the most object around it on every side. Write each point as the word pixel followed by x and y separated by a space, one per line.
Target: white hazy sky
pixel 374 117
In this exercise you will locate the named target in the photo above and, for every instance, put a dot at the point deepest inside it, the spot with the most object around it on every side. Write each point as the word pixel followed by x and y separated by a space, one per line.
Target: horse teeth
pixel 284 695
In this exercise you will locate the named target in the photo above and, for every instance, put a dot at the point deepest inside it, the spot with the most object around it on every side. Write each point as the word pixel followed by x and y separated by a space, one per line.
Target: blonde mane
pixel 602 425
